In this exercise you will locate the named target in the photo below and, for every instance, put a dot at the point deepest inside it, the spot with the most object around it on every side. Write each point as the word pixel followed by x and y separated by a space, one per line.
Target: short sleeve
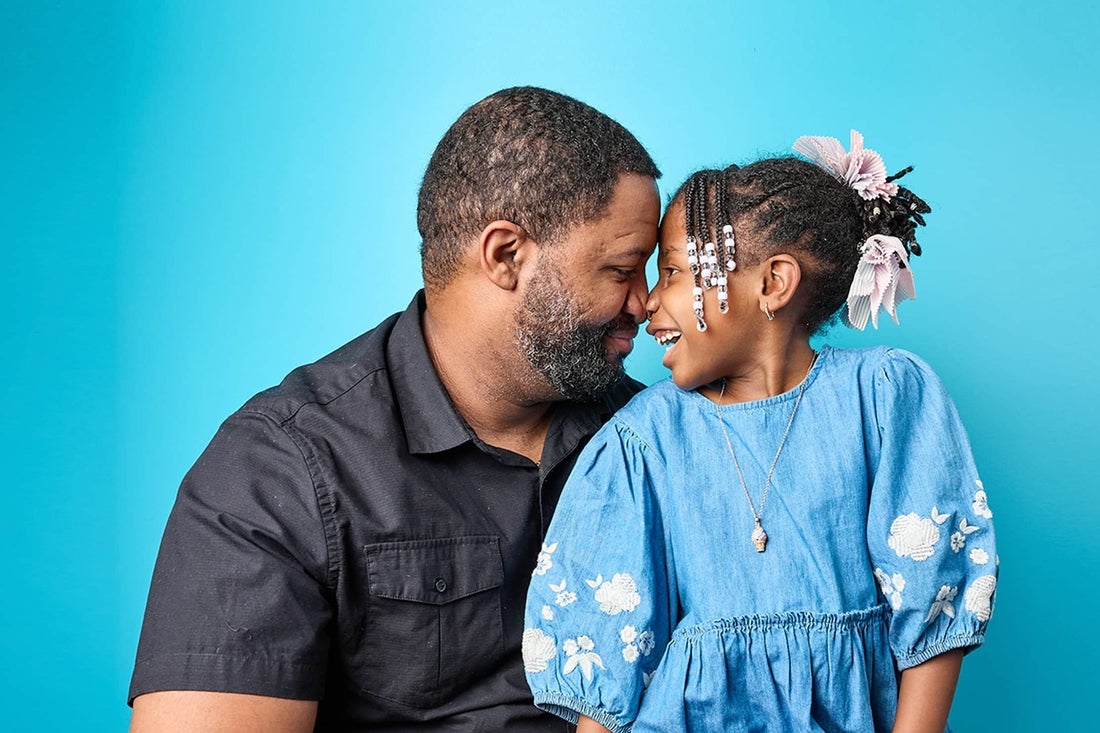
pixel 602 599
pixel 930 529
pixel 237 601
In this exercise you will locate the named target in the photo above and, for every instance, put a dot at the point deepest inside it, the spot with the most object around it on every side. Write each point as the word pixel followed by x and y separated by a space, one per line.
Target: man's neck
pixel 501 398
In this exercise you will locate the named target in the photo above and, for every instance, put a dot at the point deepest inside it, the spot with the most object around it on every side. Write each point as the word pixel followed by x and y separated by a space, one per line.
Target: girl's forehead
pixel 672 225
pixel 671 247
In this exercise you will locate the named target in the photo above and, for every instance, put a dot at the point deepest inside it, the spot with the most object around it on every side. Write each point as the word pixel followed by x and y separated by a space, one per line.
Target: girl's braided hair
pixel 789 205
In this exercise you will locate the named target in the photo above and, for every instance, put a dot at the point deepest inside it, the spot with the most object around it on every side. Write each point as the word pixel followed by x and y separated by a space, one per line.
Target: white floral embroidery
pixel 635 643
pixel 545 560
pixel 944 602
pixel 958 541
pixel 580 653
pixel 618 594
pixel 891 586
pixel 913 536
pixel 981 502
pixel 979 556
pixel 647 677
pixel 538 650
pixel 937 517
pixel 595 583
pixel 979 597
pixel 548 613
pixel 564 597
pixel 966 527
pixel 883 580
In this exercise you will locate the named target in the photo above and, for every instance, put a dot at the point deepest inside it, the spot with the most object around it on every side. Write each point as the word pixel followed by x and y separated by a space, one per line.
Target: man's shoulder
pixel 326 380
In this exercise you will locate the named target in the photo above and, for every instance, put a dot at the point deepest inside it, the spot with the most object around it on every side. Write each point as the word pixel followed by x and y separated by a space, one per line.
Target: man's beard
pixel 559 345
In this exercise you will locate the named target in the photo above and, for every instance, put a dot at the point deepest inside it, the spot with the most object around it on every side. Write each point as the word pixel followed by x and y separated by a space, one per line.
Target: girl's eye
pixel 670 271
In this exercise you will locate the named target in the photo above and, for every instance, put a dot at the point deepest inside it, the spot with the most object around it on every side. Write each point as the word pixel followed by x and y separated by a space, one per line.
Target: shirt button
pixel 440 584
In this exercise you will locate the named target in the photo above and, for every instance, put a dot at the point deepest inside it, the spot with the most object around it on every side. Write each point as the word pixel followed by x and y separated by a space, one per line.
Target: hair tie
pixel 883 279
pixel 861 169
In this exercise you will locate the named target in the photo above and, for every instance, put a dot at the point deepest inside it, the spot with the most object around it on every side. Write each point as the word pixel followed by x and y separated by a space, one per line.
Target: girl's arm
pixel 925 695
pixel 587 725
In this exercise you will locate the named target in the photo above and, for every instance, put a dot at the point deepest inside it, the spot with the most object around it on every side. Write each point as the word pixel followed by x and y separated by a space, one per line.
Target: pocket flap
pixel 434 571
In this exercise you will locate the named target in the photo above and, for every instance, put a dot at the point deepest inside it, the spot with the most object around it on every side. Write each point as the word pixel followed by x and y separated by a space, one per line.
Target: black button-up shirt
pixel 347 537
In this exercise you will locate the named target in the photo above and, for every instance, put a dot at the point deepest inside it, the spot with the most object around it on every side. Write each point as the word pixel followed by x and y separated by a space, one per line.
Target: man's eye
pixel 625 274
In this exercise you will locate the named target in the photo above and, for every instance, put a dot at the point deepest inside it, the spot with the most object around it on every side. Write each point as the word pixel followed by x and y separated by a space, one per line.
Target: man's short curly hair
pixel 537 158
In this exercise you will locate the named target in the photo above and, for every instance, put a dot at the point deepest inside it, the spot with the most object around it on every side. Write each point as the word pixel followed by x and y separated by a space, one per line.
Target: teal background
pixel 197 197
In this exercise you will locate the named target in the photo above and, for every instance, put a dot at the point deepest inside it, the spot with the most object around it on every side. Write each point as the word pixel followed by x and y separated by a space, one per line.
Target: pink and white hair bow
pixel 883 279
pixel 862 169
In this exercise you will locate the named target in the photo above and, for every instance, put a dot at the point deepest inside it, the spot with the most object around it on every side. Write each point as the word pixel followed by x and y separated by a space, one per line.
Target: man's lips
pixel 620 340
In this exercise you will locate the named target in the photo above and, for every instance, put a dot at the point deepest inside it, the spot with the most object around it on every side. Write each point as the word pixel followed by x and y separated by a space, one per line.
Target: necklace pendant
pixel 759 537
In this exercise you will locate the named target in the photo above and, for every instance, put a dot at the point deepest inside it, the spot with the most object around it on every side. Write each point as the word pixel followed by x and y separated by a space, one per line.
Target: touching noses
pixel 652 302
pixel 636 298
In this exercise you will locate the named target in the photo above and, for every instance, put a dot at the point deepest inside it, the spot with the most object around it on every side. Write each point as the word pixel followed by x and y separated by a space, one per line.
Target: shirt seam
pixel 278 659
pixel 289 418
pixel 324 508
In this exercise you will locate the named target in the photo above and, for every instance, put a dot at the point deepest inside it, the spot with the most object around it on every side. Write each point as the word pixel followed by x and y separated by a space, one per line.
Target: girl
pixel 775 539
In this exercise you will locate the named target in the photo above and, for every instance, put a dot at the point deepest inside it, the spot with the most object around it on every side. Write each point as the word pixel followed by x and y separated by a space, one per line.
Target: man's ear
pixel 781 277
pixel 503 247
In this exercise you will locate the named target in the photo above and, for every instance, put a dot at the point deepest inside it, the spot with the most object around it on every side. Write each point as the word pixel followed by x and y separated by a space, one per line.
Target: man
pixel 352 550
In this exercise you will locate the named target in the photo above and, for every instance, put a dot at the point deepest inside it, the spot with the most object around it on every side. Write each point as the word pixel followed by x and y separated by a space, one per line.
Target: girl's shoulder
pixel 659 397
pixel 877 362
pixel 889 380
pixel 659 404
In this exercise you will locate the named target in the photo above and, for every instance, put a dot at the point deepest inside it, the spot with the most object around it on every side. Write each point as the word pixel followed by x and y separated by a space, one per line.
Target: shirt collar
pixel 432 424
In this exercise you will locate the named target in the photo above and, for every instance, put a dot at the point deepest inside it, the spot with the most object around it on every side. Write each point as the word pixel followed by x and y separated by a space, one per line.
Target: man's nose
pixel 637 296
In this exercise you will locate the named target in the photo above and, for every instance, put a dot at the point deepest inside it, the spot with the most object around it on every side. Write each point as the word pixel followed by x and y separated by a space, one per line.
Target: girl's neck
pixel 768 373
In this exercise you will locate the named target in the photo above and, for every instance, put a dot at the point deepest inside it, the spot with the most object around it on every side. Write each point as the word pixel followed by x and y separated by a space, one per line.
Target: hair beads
pixel 705 205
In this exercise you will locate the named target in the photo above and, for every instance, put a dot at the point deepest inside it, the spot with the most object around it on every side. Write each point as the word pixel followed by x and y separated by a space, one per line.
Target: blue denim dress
pixel 651 610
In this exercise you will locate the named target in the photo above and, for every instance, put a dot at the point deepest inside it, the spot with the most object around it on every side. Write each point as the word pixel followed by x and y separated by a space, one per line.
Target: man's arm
pixel 927 689
pixel 214 712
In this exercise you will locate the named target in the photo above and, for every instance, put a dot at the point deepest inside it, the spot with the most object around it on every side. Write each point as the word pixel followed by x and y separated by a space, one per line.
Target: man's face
pixel 582 305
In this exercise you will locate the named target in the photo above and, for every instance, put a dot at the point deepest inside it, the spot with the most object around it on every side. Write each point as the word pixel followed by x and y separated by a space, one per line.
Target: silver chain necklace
pixel 759 536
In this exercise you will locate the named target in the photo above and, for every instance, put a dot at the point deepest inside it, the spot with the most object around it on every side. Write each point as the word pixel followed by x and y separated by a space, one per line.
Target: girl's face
pixel 731 339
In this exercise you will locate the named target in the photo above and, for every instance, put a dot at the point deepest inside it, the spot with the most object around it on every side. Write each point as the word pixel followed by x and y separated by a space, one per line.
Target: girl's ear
pixel 503 247
pixel 782 275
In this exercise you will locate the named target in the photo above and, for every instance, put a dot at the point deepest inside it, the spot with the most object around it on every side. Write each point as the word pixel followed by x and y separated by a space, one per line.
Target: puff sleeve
pixel 930 534
pixel 602 599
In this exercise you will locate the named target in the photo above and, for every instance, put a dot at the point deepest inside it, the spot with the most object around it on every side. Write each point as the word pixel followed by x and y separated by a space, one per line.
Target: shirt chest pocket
pixel 432 622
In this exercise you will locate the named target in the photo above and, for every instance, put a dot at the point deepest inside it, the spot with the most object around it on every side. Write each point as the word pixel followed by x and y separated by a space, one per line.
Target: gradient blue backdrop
pixel 197 197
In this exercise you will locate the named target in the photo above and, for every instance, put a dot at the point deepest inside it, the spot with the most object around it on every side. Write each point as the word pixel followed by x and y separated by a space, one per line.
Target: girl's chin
pixel 685 381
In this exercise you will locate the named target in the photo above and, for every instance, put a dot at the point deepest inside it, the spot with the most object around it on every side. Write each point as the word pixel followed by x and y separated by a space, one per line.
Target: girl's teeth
pixel 668 338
